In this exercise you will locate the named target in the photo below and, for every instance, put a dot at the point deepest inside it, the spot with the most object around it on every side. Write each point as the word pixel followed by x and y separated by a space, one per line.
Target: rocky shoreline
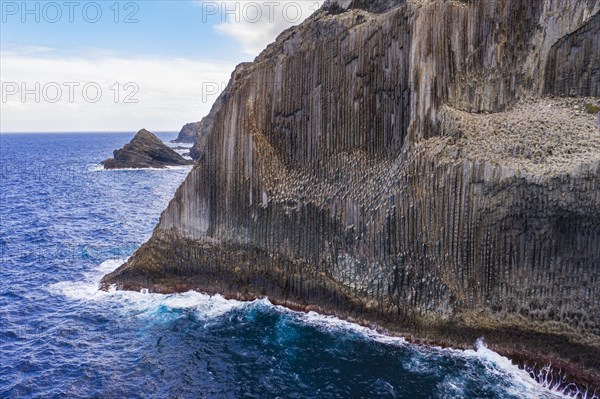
pixel 235 273
pixel 429 166
pixel 526 349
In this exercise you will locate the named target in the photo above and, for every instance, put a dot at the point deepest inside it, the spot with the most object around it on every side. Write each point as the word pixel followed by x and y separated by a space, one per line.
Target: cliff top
pixel 545 138
pixel 377 6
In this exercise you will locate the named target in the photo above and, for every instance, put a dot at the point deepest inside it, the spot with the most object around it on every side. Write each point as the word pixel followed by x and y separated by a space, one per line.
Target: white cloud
pixel 169 92
pixel 255 24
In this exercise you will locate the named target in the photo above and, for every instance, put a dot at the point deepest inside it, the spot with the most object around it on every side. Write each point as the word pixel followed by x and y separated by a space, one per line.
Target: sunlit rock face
pixel 188 133
pixel 426 165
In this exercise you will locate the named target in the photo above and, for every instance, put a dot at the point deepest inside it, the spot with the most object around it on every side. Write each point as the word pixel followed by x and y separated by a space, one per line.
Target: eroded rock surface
pixel 188 133
pixel 145 150
pixel 400 162
pixel 207 123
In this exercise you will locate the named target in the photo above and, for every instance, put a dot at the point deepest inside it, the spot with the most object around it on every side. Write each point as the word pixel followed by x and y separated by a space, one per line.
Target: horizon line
pixel 89 132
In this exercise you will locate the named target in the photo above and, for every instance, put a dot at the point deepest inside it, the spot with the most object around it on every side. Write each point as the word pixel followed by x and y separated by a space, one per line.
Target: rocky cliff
pixel 206 124
pixel 423 165
pixel 188 133
pixel 145 150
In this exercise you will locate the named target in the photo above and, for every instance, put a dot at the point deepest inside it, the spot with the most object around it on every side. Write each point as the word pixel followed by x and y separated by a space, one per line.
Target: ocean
pixel 65 222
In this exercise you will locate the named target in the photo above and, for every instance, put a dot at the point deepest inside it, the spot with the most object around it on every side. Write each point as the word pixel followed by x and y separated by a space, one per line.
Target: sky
pixel 100 66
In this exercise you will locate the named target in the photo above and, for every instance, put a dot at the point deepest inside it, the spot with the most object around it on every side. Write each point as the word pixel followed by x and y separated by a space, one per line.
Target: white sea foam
pixel 95 167
pixel 335 324
pixel 184 167
pixel 175 145
pixel 141 303
pixel 100 168
pixel 180 148
pixel 523 384
pixel 87 289
pixel 208 307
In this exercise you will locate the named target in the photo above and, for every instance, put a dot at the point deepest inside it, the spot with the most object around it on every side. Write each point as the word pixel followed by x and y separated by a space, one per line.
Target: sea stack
pixel 145 150
pixel 426 166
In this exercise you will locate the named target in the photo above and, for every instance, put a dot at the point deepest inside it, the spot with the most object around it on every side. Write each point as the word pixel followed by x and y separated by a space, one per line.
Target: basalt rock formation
pixel 424 165
pixel 145 150
pixel 188 133
pixel 206 124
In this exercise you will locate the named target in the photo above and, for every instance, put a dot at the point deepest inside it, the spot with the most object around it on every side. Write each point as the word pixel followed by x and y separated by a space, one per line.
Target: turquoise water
pixel 65 222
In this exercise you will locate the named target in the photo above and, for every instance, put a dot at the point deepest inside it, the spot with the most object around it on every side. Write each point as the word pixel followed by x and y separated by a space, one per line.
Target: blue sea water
pixel 65 223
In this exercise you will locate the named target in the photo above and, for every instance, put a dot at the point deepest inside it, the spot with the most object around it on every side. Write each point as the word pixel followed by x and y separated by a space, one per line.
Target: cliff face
pixel 188 133
pixel 580 75
pixel 399 162
pixel 206 124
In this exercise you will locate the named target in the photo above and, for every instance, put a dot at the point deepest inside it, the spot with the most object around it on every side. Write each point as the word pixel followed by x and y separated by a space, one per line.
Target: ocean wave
pixel 100 168
pixel 175 145
pixel 334 324
pixel 207 307
pixel 142 303
pixel 523 381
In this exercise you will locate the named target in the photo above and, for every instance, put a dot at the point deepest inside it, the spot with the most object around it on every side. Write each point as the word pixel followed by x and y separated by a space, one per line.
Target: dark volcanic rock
pixel 145 150
pixel 398 162
pixel 206 124
pixel 188 133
